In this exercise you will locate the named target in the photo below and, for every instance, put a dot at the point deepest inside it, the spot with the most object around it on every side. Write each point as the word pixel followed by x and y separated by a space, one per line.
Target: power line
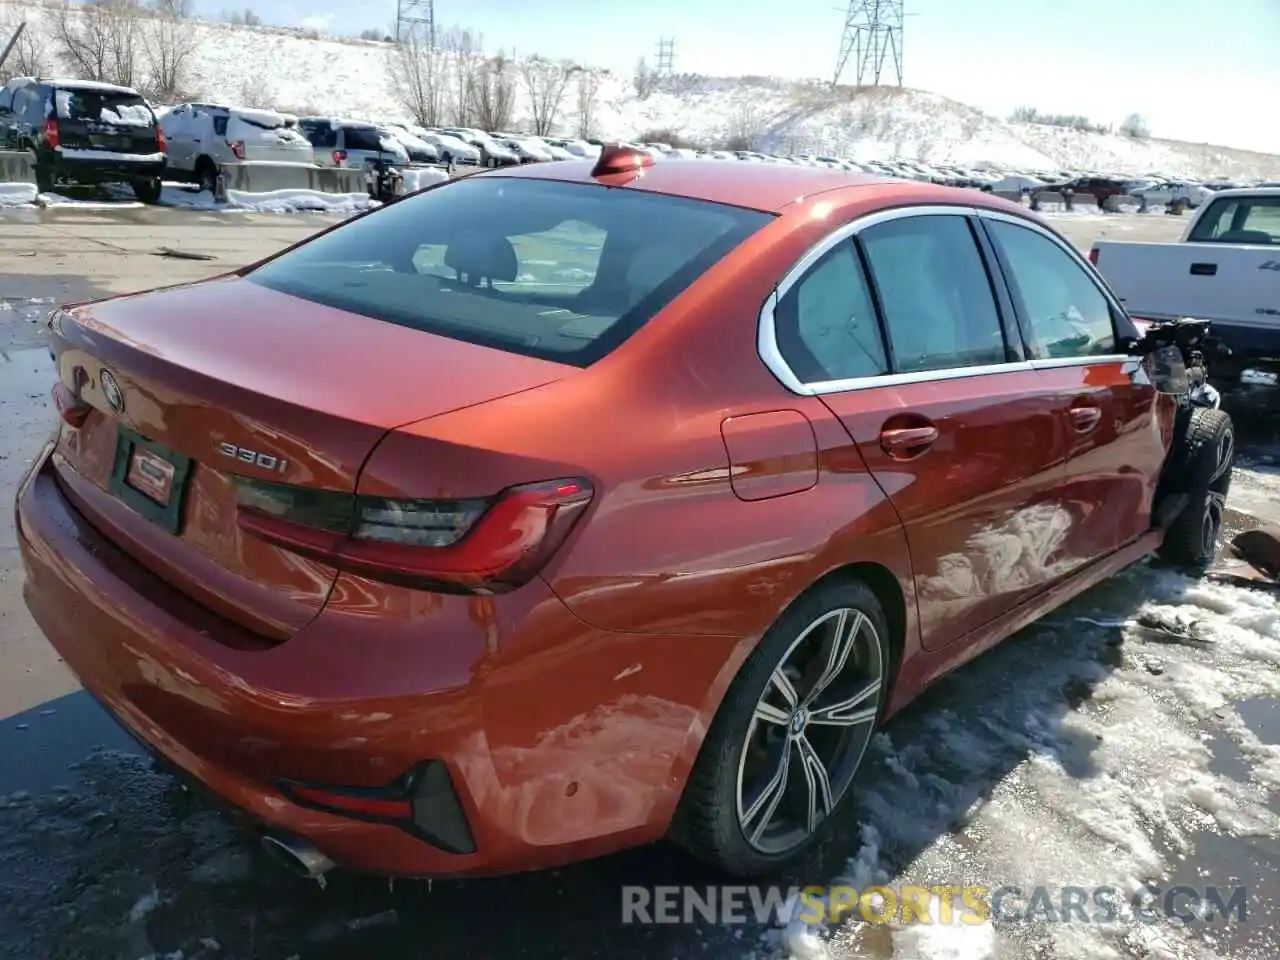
pixel 872 38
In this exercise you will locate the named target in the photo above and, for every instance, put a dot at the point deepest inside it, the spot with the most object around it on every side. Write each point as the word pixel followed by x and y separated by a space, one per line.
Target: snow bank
pixel 17 194
pixel 299 201
pixel 421 177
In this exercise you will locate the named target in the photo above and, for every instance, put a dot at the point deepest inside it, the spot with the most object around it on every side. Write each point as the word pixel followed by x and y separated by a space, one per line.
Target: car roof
pixel 86 85
pixel 760 186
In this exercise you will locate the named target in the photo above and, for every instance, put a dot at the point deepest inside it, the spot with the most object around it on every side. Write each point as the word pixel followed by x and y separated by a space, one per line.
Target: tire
pixel 729 815
pixel 1200 467
pixel 148 190
pixel 207 175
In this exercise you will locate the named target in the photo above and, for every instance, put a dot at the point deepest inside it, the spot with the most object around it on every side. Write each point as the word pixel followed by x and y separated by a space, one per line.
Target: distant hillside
pixel 297 72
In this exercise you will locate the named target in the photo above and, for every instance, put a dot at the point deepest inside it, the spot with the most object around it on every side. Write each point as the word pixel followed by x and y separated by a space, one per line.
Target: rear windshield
pixel 558 271
pixel 1239 220
pixel 364 138
pixel 100 106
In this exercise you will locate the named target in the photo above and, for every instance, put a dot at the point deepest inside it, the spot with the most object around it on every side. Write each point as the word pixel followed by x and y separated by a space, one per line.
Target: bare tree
pixel 646 79
pixel 30 55
pixel 256 91
pixel 588 91
pixel 418 78
pixel 546 82
pixel 464 54
pixel 746 126
pixel 245 17
pixel 169 40
pixel 1135 127
pixel 495 93
pixel 98 39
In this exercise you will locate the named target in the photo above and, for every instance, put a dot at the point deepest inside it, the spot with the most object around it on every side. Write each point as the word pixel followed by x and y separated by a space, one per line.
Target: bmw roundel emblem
pixel 111 390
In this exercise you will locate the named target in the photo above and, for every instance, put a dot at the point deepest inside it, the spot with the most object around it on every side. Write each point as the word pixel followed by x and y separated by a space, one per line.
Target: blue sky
pixel 1196 71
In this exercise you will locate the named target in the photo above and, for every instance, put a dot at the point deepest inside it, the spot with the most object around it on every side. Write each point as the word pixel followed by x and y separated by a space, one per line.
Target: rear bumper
pixel 551 759
pixel 82 170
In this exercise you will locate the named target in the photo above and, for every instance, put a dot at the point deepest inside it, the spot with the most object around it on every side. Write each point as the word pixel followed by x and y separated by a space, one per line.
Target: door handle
pixel 1084 419
pixel 906 443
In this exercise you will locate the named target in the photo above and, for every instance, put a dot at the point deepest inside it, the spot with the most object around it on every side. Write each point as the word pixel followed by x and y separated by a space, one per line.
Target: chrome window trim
pixel 766 328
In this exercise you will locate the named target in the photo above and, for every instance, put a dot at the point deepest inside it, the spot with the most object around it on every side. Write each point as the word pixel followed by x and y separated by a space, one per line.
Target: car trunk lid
pixel 266 138
pixel 229 380
pixel 106 121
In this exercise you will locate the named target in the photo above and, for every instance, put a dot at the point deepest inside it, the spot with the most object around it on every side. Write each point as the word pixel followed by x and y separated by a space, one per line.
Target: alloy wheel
pixel 809 730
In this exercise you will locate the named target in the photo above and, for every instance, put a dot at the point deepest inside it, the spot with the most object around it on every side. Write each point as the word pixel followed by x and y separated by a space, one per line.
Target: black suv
pixel 84 132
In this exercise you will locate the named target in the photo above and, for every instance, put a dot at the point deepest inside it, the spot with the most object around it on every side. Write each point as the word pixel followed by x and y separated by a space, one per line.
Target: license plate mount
pixel 150 478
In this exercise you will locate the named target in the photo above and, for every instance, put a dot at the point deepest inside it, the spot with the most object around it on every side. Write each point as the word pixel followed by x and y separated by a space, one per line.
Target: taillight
pixel 1093 256
pixel 237 148
pixel 51 139
pixel 488 545
pixel 339 157
pixel 71 408
pixel 160 143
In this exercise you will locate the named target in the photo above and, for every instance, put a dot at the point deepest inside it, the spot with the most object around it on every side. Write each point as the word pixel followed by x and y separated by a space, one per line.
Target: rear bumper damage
pixel 445 738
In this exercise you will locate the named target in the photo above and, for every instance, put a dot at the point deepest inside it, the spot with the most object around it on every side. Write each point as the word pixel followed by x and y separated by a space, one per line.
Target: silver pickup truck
pixel 1225 269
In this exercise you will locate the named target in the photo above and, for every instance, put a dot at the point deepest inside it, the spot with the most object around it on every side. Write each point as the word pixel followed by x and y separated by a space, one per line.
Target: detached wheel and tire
pixel 1203 455
pixel 777 763
pixel 148 190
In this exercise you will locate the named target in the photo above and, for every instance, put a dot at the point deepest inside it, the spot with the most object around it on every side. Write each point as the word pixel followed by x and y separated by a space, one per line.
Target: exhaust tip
pixel 297 856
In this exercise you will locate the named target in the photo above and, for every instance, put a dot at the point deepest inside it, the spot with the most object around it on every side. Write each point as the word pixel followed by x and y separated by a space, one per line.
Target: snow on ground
pixel 1090 762
pixel 287 71
pixel 180 195
pixel 17 194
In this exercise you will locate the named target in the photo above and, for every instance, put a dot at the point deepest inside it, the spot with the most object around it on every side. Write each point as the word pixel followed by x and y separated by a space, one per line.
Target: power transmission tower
pixel 872 37
pixel 416 18
pixel 666 57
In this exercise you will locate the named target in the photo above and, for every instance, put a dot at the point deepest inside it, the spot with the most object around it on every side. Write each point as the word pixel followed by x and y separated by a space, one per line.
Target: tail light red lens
pixel 237 149
pixel 51 138
pixel 161 146
pixel 71 408
pixel 1093 256
pixel 488 545
pixel 339 157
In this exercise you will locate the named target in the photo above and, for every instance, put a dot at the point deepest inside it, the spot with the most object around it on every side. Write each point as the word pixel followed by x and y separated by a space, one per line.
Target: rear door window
pixel 935 294
pixel 558 271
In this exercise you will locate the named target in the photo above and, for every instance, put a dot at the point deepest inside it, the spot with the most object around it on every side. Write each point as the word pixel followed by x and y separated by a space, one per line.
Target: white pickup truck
pixel 1225 269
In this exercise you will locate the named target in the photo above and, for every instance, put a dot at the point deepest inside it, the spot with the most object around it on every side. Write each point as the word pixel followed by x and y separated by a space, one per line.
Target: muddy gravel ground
pixel 1132 737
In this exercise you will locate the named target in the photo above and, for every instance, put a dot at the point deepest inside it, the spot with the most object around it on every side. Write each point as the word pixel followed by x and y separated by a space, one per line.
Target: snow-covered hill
pixel 291 71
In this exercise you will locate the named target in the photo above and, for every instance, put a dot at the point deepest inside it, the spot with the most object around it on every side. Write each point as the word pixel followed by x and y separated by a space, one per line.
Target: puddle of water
pixel 1262 716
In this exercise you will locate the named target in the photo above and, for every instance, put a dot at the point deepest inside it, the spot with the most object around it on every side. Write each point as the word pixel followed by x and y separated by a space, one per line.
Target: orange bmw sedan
pixel 559 509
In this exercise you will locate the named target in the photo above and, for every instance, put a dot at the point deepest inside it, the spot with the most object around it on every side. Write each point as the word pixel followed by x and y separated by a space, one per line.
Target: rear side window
pixel 935 293
pixel 558 271
pixel 220 126
pixel 1239 220
pixel 104 106
pixel 826 324
pixel 363 138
